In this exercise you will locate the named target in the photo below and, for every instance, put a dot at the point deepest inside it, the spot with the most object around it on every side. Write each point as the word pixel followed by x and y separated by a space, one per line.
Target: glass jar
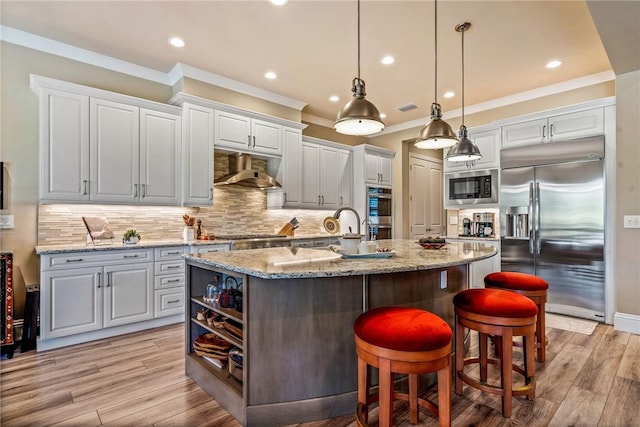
pixel 212 291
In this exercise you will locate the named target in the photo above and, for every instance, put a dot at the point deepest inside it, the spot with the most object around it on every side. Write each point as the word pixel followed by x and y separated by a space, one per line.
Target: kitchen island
pixel 298 310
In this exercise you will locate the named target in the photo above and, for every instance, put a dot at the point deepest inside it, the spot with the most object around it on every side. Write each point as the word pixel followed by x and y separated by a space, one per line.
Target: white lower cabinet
pixel 169 281
pixel 479 269
pixel 128 294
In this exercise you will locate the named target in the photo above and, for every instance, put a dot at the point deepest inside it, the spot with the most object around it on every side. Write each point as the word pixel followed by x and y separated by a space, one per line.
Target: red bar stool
pixel 408 341
pixel 503 315
pixel 532 287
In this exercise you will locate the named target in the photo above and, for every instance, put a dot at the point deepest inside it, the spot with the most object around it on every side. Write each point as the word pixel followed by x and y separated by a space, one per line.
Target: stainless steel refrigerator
pixel 552 216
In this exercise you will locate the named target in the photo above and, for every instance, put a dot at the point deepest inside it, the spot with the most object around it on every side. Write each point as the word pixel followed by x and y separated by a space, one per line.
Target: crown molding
pixel 42 44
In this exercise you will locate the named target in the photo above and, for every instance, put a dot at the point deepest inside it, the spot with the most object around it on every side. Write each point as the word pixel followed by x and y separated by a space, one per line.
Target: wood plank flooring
pixel 138 380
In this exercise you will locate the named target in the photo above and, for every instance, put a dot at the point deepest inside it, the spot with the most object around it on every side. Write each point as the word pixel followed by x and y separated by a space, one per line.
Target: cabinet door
pixel 489 145
pixel 266 138
pixel 479 269
pixel 71 302
pixel 385 169
pixel 345 173
pixel 576 125
pixel 64 146
pixel 525 133
pixel 291 176
pixel 197 156
pixel 168 302
pixel 329 178
pixel 426 210
pixel 128 293
pixel 232 131
pixel 310 173
pixel 371 172
pixel 114 151
pixel 159 157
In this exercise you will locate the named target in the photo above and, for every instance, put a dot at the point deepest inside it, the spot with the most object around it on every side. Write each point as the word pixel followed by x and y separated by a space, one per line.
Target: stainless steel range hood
pixel 242 174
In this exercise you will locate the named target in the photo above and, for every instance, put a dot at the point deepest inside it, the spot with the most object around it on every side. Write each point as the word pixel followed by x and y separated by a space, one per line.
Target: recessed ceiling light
pixel 278 2
pixel 387 60
pixel 334 98
pixel 270 75
pixel 449 94
pixel 554 64
pixel 177 42
pixel 383 115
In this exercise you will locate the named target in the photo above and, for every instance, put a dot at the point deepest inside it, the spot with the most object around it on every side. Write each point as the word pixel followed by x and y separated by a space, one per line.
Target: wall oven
pixel 471 188
pixel 379 213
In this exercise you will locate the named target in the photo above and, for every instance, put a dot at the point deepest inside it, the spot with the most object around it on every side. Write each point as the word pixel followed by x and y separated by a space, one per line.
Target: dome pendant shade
pixel 437 133
pixel 358 116
pixel 465 150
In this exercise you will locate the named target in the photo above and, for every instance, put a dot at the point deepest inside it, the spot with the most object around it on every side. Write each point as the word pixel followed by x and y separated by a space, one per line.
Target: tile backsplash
pixel 235 210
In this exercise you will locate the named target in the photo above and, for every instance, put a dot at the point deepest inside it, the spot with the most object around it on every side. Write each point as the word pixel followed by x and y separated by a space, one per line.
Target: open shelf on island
pixel 231 313
pixel 222 333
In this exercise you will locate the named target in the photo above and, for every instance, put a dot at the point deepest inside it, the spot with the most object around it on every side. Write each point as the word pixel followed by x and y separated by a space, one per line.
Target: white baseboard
pixel 627 323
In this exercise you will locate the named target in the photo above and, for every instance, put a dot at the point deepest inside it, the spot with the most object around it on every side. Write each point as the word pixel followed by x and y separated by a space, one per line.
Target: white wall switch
pixel 632 221
pixel 6 222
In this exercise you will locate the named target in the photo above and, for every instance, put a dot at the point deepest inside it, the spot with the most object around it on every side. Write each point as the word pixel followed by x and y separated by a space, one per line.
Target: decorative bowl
pixel 433 245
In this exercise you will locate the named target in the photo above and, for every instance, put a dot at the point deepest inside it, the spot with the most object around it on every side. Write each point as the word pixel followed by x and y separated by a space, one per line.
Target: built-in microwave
pixel 471 188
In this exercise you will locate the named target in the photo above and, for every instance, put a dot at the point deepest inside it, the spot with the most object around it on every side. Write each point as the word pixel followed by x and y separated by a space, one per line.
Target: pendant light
pixel 437 133
pixel 358 116
pixel 465 150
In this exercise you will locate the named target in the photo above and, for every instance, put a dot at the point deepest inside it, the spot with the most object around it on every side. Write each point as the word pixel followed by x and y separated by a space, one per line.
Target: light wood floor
pixel 139 380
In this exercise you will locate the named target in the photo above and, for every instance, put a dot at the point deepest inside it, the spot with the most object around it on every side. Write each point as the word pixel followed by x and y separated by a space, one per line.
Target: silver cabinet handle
pixel 210 193
pixel 108 279
pixel 144 190
pixel 254 141
pixel 341 200
pixel 322 200
pixel 130 256
pixel 135 190
pixel 551 131
pixel 530 215
pixel 173 302
pixel 538 218
pixel 173 253
pixel 318 199
pixel 544 131
pixel 285 197
pixel 172 266
pixel 248 141
pixel 173 280
pixel 98 279
pixel 75 260
pixel 84 187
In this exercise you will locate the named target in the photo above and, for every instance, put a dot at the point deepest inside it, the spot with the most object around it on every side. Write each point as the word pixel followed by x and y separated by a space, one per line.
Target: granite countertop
pixel 146 244
pixel 292 263
pixel 472 238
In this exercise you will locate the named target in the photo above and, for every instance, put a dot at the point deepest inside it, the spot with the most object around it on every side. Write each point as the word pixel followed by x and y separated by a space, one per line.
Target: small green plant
pixel 130 234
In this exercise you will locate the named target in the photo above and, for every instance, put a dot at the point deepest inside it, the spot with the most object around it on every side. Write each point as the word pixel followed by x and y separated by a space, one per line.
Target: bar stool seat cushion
pixel 403 329
pixel 495 303
pixel 516 281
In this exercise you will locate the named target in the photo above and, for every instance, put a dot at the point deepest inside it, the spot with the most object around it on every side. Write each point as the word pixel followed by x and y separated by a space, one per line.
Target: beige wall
pixel 329 134
pixel 627 248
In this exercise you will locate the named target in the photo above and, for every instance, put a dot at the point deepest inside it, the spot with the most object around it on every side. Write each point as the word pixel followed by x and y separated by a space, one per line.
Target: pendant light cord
pixel 463 30
pixel 435 38
pixel 358 39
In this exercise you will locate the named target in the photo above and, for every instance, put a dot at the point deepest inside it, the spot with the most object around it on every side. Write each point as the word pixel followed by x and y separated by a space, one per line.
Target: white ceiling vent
pixel 406 107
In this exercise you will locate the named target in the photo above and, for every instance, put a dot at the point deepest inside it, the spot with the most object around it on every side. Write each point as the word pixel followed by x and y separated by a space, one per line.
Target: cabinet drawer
pixel 172 281
pixel 176 252
pixel 89 259
pixel 169 267
pixel 210 248
pixel 169 302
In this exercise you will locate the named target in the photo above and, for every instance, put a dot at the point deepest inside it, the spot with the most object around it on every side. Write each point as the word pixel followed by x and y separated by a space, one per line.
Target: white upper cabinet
pixel 290 166
pixel 345 174
pixel 375 165
pixel 488 142
pixel 64 146
pixel 197 155
pixel 557 127
pixel 246 134
pixel 99 146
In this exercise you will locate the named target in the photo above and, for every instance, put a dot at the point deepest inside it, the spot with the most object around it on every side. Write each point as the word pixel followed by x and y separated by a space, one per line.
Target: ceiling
pixel 312 45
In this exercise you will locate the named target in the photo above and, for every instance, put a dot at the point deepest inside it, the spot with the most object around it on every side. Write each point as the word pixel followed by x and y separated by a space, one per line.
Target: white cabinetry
pixel 561 126
pixel 325 175
pixel 101 146
pixel 377 164
pixel 487 140
pixel 426 213
pixel 246 134
pixel 169 281
pixel 287 170
pixel 83 292
pixel 197 155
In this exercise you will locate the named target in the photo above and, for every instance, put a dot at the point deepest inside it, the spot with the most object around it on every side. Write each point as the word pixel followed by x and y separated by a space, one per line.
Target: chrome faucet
pixel 337 213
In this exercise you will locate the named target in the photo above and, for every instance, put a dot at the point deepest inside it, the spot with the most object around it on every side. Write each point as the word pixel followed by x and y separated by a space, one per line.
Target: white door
pixel 371 173
pixel 232 131
pixel 309 173
pixel 114 151
pixel 266 137
pixel 71 302
pixel 197 156
pixel 329 178
pixel 426 205
pixel 64 146
pixel 159 158
pixel 385 169
pixel 128 293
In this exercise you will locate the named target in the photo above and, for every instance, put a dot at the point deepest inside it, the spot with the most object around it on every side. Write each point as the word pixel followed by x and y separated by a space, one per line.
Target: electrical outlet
pixel 6 222
pixel 632 221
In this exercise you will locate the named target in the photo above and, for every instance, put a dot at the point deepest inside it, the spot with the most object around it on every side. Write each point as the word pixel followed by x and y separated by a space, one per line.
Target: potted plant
pixel 130 237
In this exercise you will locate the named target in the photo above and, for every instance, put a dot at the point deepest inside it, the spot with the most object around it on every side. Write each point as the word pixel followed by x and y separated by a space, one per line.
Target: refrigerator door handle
pixel 530 216
pixel 537 218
